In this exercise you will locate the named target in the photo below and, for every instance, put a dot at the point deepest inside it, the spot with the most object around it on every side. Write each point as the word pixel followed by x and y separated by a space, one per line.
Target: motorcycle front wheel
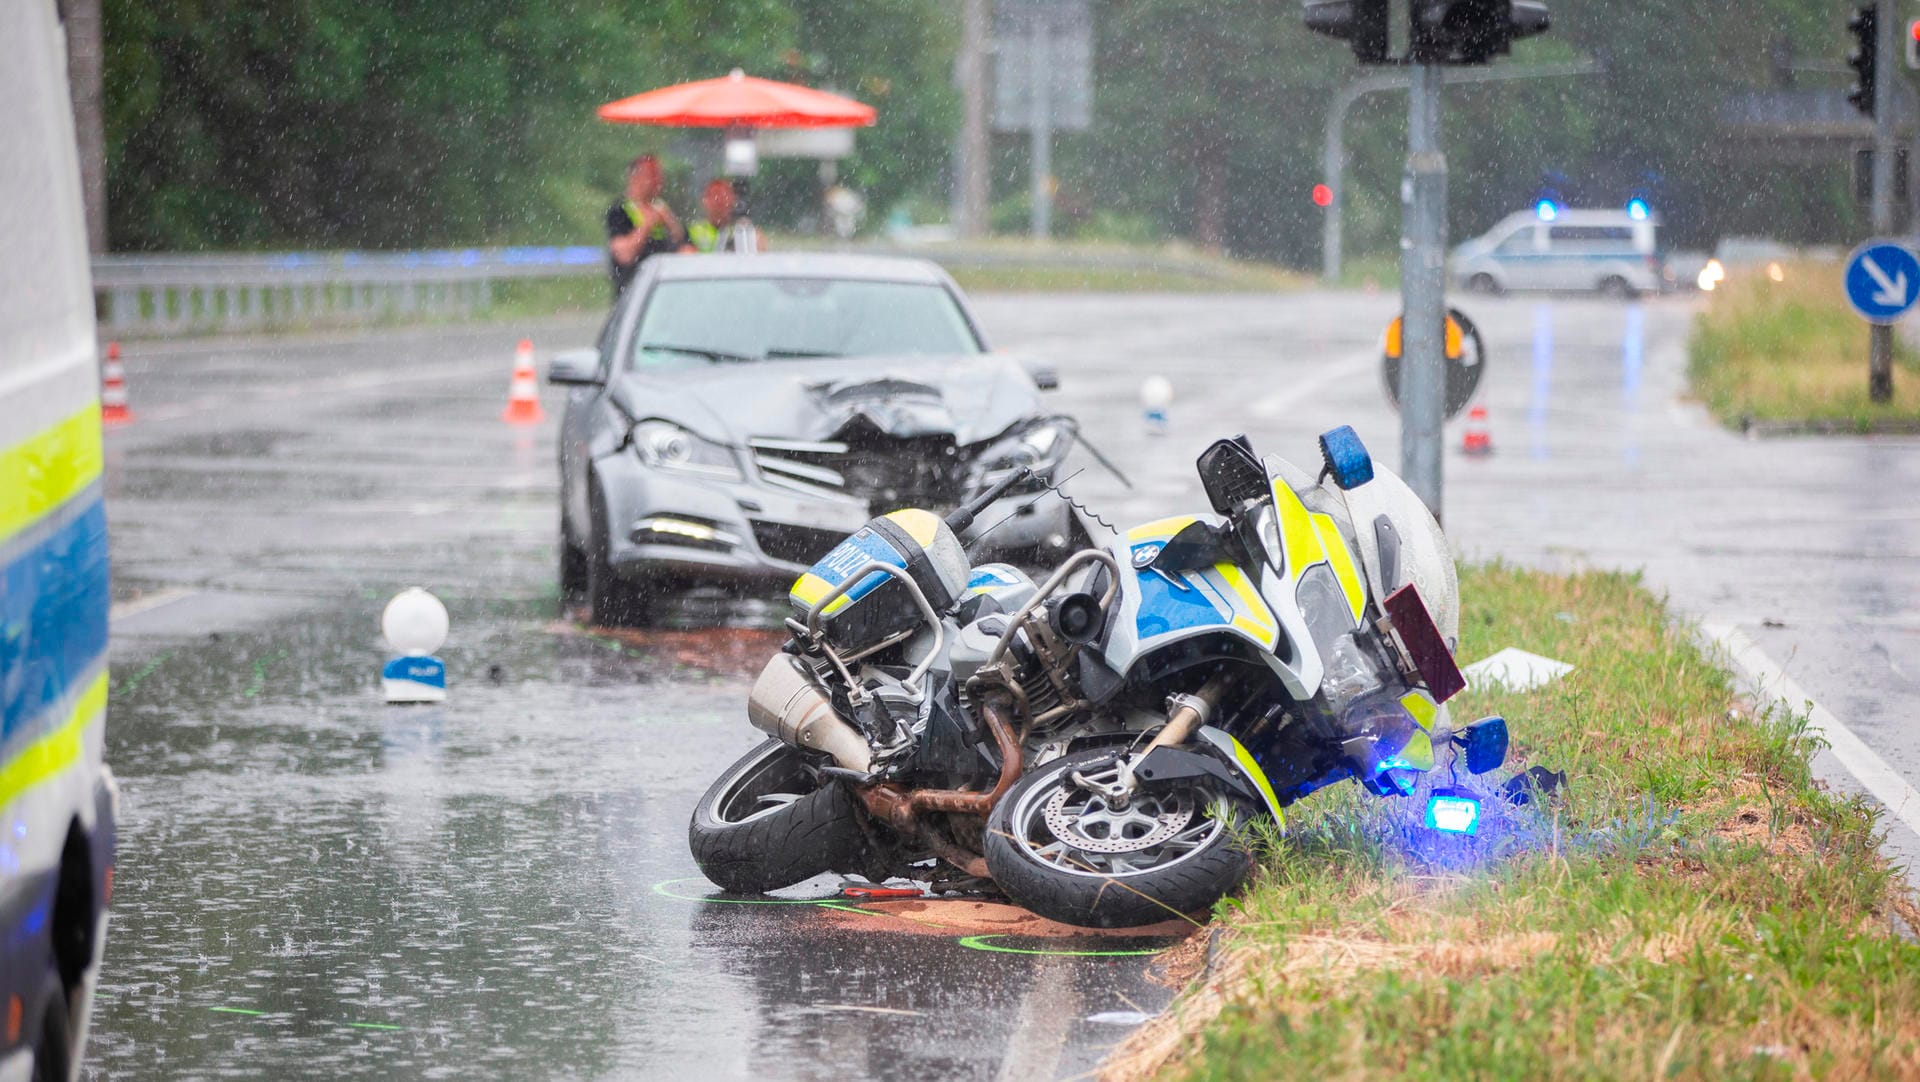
pixel 768 823
pixel 1061 850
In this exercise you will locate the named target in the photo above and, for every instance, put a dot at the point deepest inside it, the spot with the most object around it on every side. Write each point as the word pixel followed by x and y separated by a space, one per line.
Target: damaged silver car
pixel 742 414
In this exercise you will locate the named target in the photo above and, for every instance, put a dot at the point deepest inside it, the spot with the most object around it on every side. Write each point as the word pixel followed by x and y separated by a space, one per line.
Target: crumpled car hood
pixel 973 398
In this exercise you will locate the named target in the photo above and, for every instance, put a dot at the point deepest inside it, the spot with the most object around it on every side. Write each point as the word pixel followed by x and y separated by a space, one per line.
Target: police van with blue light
pixel 57 798
pixel 1559 249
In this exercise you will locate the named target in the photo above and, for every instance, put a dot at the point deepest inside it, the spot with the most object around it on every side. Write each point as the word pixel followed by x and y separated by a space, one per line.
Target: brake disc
pixel 1152 819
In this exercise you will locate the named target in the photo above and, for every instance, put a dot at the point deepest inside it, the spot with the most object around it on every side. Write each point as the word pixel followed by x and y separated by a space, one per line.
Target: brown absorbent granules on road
pixel 962 916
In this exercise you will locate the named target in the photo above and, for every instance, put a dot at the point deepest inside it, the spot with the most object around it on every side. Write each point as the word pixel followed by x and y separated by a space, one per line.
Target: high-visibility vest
pixel 634 215
pixel 740 236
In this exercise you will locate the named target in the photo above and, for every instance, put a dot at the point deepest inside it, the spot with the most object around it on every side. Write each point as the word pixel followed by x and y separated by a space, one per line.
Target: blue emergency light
pixel 1453 812
pixel 1637 209
pixel 1546 210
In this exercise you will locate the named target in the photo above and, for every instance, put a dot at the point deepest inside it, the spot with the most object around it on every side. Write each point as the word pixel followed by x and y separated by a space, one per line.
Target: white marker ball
pixel 1156 392
pixel 415 622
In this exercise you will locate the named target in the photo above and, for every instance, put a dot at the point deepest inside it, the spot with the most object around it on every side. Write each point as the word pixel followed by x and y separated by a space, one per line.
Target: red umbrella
pixel 739 101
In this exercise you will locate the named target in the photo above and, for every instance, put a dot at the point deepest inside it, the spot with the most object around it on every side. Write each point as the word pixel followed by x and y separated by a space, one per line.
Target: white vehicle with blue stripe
pixel 1085 744
pixel 57 798
pixel 1615 252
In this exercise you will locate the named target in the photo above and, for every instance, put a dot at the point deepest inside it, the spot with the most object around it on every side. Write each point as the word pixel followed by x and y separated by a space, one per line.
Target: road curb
pixel 1773 685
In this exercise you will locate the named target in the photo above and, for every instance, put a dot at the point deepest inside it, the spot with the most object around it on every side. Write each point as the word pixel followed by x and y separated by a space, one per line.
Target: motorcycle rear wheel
pixel 1059 850
pixel 766 822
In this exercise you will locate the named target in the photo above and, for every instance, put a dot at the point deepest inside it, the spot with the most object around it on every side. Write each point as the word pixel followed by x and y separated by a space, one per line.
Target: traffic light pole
pixel 1880 348
pixel 1423 260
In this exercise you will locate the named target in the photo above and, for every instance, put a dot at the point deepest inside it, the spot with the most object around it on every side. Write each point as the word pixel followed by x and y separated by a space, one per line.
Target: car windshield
pixel 722 320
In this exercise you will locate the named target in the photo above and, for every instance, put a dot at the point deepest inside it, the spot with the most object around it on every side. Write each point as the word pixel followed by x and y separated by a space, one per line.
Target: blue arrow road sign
pixel 1883 281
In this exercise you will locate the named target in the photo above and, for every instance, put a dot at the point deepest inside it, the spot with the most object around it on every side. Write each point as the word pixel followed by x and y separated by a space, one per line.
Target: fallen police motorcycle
pixel 1095 744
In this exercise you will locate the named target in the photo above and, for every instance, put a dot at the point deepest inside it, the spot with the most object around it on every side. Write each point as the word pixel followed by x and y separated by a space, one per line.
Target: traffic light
pixel 1865 28
pixel 1913 44
pixel 1360 23
pixel 1471 31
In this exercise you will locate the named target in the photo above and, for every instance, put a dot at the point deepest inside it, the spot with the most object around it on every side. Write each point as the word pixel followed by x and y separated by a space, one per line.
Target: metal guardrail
pixel 173 294
pixel 185 294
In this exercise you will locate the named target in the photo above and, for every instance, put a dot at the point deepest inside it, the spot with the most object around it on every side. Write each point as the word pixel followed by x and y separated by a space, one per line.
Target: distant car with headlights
pixel 741 415
pixel 1607 251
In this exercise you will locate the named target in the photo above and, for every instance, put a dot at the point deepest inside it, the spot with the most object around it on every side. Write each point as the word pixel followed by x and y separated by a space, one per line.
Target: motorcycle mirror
pixel 1231 474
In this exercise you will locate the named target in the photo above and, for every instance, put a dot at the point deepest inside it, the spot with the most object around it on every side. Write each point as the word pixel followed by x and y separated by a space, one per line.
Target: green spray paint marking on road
pixel 235 1010
pixel 979 943
pixel 144 672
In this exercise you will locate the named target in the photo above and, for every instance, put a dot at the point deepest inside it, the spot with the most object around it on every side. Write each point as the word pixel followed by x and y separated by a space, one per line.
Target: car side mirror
pixel 575 368
pixel 1045 376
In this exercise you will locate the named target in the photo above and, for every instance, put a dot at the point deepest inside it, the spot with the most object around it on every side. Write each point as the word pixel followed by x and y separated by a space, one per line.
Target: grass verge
pixel 1793 352
pixel 1693 907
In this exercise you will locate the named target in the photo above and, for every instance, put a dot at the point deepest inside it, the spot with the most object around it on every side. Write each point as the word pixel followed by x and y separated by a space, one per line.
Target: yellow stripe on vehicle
pixel 1259 776
pixel 922 526
pixel 1418 753
pixel 49 468
pixel 57 750
pixel 1298 539
pixel 1251 614
pixel 1420 707
pixel 1341 558
pixel 1162 528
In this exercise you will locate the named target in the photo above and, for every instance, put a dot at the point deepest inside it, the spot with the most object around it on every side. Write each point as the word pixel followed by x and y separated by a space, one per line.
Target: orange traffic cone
pixel 523 398
pixel 1478 440
pixel 113 389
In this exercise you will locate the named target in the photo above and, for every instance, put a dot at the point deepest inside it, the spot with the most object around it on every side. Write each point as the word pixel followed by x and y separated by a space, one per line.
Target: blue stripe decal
pixel 53 616
pixel 1168 606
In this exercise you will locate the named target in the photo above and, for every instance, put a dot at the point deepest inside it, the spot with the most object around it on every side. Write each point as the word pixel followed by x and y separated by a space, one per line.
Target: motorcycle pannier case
pixel 879 606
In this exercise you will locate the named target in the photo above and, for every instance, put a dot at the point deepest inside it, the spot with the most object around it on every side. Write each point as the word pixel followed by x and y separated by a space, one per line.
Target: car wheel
pixel 1484 283
pixel 612 601
pixel 1617 287
pixel 573 564
pixel 53 1041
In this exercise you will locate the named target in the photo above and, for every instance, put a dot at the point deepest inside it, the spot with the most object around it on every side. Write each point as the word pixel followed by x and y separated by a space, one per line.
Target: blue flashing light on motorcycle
pixel 1348 462
pixel 1453 812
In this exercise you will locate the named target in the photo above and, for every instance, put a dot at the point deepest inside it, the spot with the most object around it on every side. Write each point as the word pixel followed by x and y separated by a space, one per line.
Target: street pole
pixel 1880 336
pixel 972 178
pixel 1423 255
pixel 1040 122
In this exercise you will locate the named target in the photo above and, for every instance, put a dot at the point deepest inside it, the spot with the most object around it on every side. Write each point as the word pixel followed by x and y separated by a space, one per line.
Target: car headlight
pixel 668 446
pixel 1040 447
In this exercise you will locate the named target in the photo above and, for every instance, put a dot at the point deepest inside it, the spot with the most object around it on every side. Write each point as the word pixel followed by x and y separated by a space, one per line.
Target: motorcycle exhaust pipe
pixel 786 703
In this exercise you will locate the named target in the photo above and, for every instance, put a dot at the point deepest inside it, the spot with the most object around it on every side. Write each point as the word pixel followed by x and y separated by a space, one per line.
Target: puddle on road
pixel 311 882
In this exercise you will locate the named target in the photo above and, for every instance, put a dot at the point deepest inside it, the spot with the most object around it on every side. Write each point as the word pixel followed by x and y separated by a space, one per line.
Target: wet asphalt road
pixel 314 884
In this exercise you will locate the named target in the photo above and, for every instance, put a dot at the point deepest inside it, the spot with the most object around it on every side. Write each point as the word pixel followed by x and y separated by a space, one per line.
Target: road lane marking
pixel 1902 801
pixel 146 603
pixel 1337 372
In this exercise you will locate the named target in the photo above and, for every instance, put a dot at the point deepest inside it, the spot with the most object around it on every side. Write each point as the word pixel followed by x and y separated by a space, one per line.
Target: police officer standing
pixel 641 224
